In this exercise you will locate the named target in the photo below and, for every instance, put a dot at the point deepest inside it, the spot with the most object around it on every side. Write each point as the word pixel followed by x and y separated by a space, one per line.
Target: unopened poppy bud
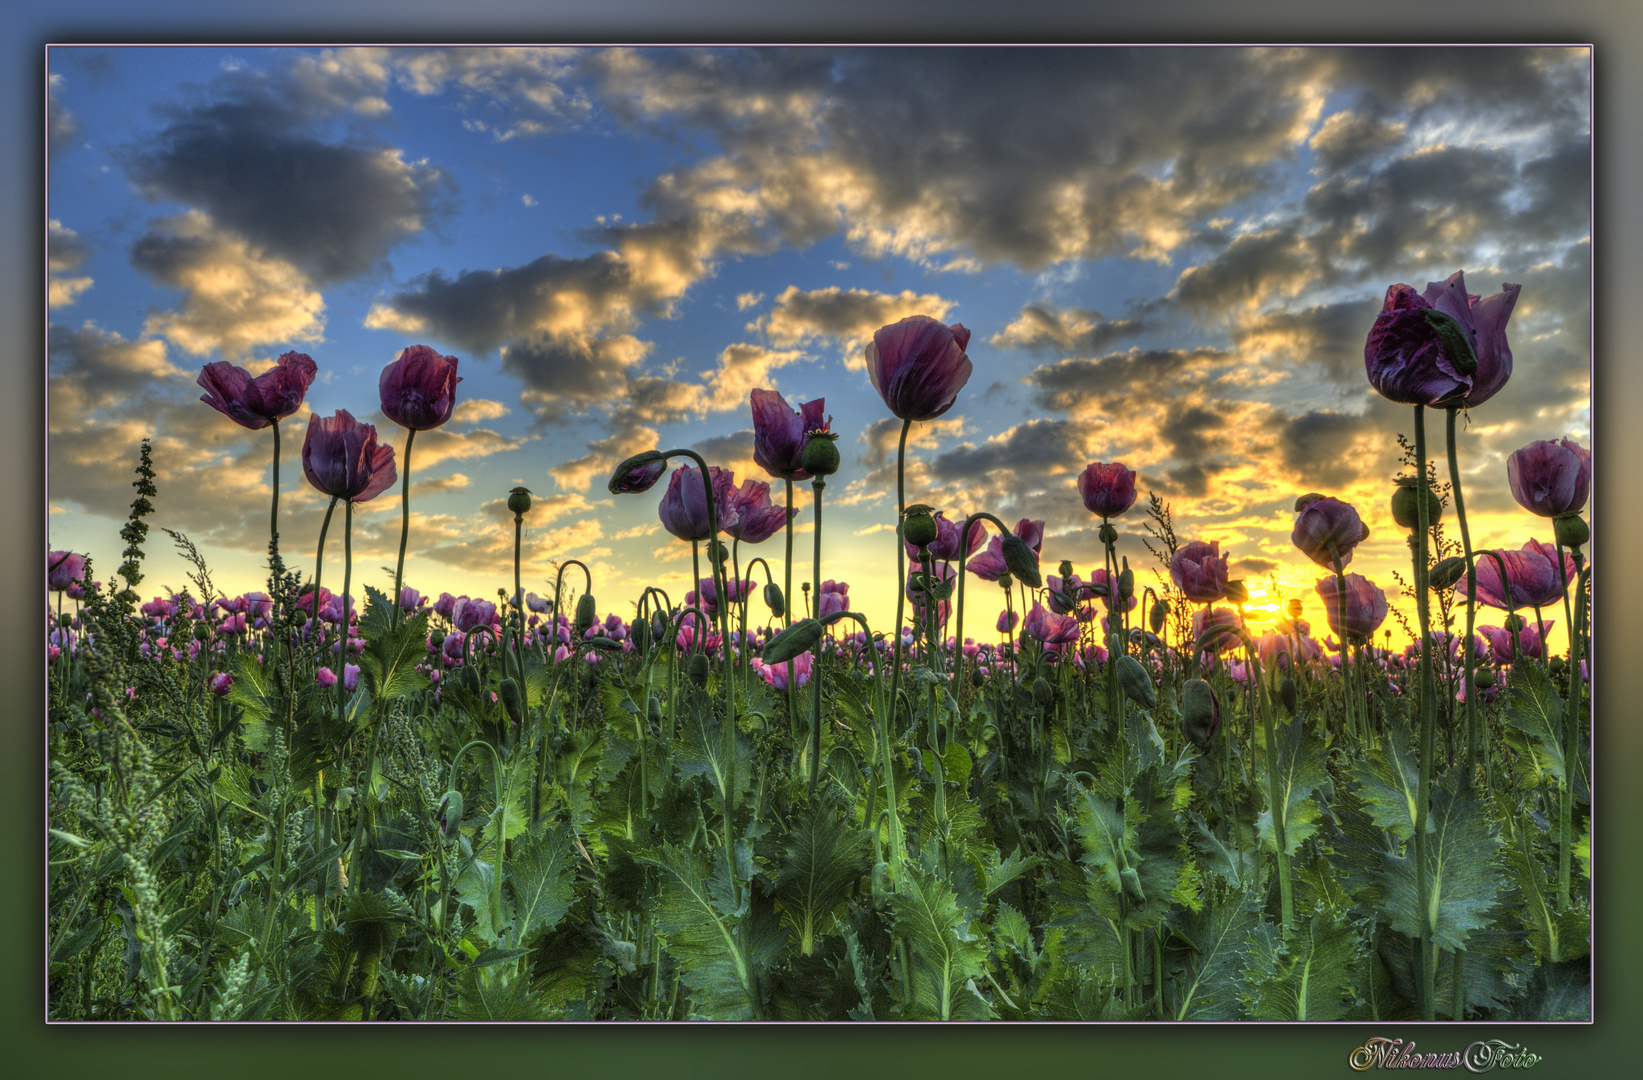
pixel 1107 534
pixel 1406 504
pixel 653 709
pixel 1066 569
pixel 437 639
pixel 659 626
pixel 470 680
pixel 1484 678
pixel 450 814
pixel 919 528
pixel 1448 572
pixel 605 644
pixel 1237 593
pixel 801 637
pixel 1557 665
pixel 1200 712
pixel 1043 692
pixel 1157 616
pixel 820 456
pixel 202 632
pixel 586 613
pixel 508 691
pixel 1131 881
pixel 698 669
pixel 977 677
pixel 65 621
pixel 1137 683
pixel 1005 581
pixel 1302 502
pixel 1514 622
pixel 1126 581
pixel 639 634
pixel 1570 530
pixel 638 473
pixel 1021 560
pixel 1286 690
pixel 519 501
pixel 774 601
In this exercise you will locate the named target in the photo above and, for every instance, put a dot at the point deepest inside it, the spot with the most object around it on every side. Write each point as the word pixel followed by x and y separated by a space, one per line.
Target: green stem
pixel 816 484
pixel 1424 966
pixel 901 567
pixel 405 525
pixel 1571 729
pixel 342 621
pixel 1471 611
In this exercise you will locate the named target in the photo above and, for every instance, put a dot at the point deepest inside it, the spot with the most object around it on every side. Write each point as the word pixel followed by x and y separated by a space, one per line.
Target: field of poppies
pixel 1119 803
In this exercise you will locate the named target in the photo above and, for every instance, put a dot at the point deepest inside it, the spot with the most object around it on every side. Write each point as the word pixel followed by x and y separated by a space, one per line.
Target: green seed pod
pixel 586 613
pixel 640 634
pixel 1021 560
pixel 519 501
pixel 605 644
pixel 653 710
pixel 820 456
pixel 1237 592
pixel 1136 681
pixel 1406 505
pixel 1066 569
pixel 1448 573
pixel 450 814
pixel 436 640
pixel 774 601
pixel 1484 678
pixel 202 631
pixel 1106 533
pixel 64 621
pixel 1514 622
pixel 698 669
pixel 1557 665
pixel 1571 531
pixel 1043 692
pixel 1132 885
pixel 1286 690
pixel 1200 712
pixel 1005 581
pixel 1158 616
pixel 718 554
pixel 512 701
pixel 1293 609
pixel 919 527
pixel 801 637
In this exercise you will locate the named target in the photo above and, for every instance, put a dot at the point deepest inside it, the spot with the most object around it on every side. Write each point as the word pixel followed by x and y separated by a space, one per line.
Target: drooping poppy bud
pixel 1200 712
pixel 508 691
pixel 1043 692
pixel 585 613
pixel 1286 691
pixel 639 634
pixel 450 814
pixel 1237 593
pixel 801 637
pixel 773 599
pixel 638 473
pixel 1157 616
pixel 1136 681
pixel 698 669
pixel 1021 560
pixel 1447 573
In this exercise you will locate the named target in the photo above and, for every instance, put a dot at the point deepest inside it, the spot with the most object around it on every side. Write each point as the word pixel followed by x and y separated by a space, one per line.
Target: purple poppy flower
pixel 946 545
pixel 1007 620
pixel 1485 319
pixel 1108 489
pixel 341 458
pixel 469 614
pixel 539 604
pixel 64 569
pixel 1550 478
pixel 1207 618
pixel 1048 628
pixel 445 605
pixel 683 509
pixel 220 683
pixel 1414 354
pixel 776 674
pixel 638 474
pixel 918 366
pixel 1327 527
pixel 748 515
pixel 1199 570
pixel 418 390
pixel 778 432
pixel 325 678
pixel 410 600
pixel 1361 613
pixel 257 402
pixel 834 598
pixel 1531 573
pixel 1530 640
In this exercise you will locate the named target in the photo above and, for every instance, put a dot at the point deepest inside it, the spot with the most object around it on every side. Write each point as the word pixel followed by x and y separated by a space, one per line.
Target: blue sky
pixel 1167 257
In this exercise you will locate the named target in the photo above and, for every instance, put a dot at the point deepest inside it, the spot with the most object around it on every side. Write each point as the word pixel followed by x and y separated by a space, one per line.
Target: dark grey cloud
pixel 248 155
pixel 1347 137
pixel 1071 383
pixel 1323 447
pixel 1037 448
pixel 1328 337
pixel 1078 331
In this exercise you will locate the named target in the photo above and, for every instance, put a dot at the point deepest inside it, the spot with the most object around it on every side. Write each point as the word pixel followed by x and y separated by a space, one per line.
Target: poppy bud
pixel 469 678
pixel 653 709
pixel 717 553
pixel 1557 665
pixel 450 814
pixel 1005 581
pixel 1484 678
pixel 639 633
pixel 1066 569
pixel 1157 616
pixel 202 632
pixel 519 501
pixel 820 456
pixel 1043 692
pixel 1286 690
pixel 698 669
pixel 1514 622
pixel 585 613
pixel 605 644
pixel 977 677
pixel 638 473
pixel 801 637
pixel 1137 683
pixel 1447 573
pixel 65 621
pixel 1406 504
pixel 1236 592
pixel 919 528
pixel 659 626
pixel 508 691
pixel 436 640
pixel 1200 712
pixel 1570 530
pixel 299 617
pixel 1132 884
pixel 1107 534
pixel 1021 560
pixel 773 599
pixel 1126 581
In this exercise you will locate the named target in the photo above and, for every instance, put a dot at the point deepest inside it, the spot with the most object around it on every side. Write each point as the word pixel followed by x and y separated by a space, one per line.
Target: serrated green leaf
pixel 825 856
pixel 388 662
pixel 492 996
pixel 695 914
pixel 1389 784
pixel 1557 932
pixel 1461 879
pixel 540 875
pixel 1222 858
pixel 473 891
pixel 1012 929
pixel 1220 939
pixel 1301 771
pixel 1311 979
pixel 999 874
pixel 1533 707
pixel 946 956
pixel 253 691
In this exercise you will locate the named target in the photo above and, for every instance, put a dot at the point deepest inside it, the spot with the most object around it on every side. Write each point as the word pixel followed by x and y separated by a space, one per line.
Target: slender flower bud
pixel 586 613
pixel 508 691
pixel 801 637
pixel 1157 616
pixel 1200 712
pixel 638 473
pixel 1237 593
pixel 699 669
pixel 1447 573
pixel 774 600
pixel 1286 691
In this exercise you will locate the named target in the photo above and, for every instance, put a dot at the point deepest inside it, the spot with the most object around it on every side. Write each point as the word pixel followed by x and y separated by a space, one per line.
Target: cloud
pixel 848 317
pixel 1073 330
pixel 236 298
pixel 246 156
pixel 92 368
pixel 61 126
pixel 1080 385
pixel 65 253
pixel 1346 137
pixel 741 369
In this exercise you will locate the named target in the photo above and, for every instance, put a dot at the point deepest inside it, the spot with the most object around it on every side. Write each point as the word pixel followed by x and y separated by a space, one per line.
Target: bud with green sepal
pixel 1447 573
pixel 1200 712
pixel 1158 616
pixel 774 601
pixel 512 700
pixel 1571 530
pixel 1406 504
pixel 586 613
pixel 1022 561
pixel 1237 592
pixel 799 638
pixel 1043 692
pixel 1136 681
pixel 698 669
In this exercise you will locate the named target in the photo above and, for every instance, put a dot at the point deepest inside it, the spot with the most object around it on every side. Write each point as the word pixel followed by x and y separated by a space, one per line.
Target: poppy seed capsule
pixel 1200 712
pixel 1237 592
pixel 1571 530
pixel 1514 622
pixel 1293 609
pixel 519 501
pixel 820 456
pixel 1107 534
pixel 436 640
pixel 1406 505
pixel 65 621
pixel 699 669
pixel 920 528
pixel 1484 678
pixel 1447 573
pixel 202 632
pixel 1136 682
pixel 1066 569
pixel 1005 581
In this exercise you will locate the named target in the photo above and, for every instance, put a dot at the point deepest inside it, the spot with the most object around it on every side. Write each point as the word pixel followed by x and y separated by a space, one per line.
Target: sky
pixel 1168 257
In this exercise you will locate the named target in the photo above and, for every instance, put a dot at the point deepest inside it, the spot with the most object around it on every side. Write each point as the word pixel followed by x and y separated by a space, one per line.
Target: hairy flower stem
pixel 1425 968
pixel 1471 605
pixel 518 613
pixel 901 564
pixel 816 484
pixel 405 527
pixel 1350 720
pixel 342 621
pixel 787 611
pixel 1571 729
pixel 501 823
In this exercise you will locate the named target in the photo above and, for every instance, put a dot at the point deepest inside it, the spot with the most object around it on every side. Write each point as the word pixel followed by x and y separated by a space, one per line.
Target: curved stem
pixel 1471 604
pixel 901 564
pixel 405 524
